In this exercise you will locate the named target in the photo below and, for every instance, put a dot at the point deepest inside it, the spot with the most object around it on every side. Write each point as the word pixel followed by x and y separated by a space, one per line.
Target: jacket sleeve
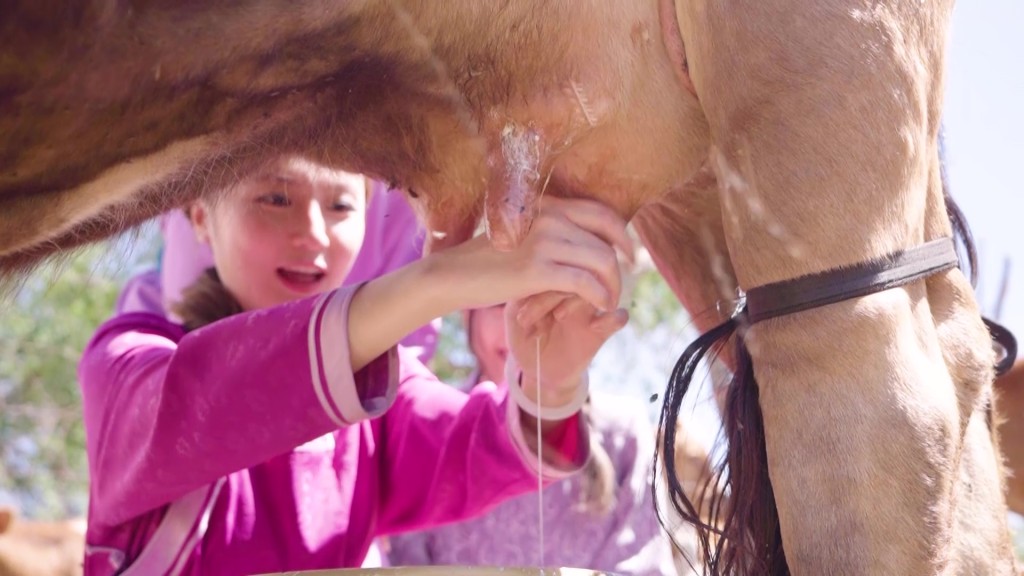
pixel 393 239
pixel 167 412
pixel 449 456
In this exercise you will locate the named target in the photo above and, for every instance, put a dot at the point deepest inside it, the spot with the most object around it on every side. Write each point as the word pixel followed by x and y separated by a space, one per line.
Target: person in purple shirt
pixel 601 519
pixel 280 427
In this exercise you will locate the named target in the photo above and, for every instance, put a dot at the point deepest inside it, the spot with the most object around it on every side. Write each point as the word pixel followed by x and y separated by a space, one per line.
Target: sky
pixel 984 120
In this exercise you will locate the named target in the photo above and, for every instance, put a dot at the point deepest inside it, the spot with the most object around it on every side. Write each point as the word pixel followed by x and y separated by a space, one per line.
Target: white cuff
pixel 347 397
pixel 553 467
pixel 514 375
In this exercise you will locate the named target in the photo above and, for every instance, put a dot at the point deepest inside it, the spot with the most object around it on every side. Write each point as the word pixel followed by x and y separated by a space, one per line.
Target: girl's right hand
pixel 571 249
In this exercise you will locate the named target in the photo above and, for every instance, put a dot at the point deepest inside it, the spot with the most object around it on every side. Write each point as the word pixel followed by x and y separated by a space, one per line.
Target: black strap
pixel 897 269
pixel 823 288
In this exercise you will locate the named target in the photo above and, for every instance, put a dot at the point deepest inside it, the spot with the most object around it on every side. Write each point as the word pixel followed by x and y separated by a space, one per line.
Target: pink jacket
pixel 249 445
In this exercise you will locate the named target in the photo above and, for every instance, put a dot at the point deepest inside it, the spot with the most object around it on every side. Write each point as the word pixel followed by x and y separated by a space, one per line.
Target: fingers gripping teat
pixel 514 190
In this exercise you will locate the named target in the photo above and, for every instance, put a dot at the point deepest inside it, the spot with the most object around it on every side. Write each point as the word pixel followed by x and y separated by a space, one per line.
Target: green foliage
pixel 653 304
pixel 452 362
pixel 42 335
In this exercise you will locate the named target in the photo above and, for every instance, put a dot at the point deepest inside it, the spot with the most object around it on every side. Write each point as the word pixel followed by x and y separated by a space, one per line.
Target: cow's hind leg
pixel 981 535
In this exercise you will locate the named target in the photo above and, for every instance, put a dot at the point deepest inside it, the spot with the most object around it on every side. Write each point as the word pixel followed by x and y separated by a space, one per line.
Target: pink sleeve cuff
pixel 347 398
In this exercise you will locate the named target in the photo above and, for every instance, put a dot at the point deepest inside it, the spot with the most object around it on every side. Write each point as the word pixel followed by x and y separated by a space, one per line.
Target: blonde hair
pixel 597 479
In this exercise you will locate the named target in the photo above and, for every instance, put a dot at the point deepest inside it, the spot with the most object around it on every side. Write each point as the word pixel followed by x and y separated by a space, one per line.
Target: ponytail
pixel 205 301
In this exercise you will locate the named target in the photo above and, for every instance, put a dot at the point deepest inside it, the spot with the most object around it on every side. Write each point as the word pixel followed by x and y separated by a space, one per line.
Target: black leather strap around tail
pixel 862 279
pixel 891 271
pixel 749 530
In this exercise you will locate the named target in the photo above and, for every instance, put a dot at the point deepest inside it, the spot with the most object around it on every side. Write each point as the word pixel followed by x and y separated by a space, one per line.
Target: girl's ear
pixel 198 215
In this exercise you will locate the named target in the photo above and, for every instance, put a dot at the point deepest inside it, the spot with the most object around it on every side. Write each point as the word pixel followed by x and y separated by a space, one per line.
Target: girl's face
pixel 487 341
pixel 290 231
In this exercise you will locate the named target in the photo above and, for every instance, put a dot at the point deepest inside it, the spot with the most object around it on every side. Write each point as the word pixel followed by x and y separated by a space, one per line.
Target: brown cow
pixel 753 141
pixel 34 548
pixel 1010 420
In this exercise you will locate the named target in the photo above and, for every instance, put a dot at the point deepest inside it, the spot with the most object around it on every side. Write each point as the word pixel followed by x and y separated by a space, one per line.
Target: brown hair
pixel 205 301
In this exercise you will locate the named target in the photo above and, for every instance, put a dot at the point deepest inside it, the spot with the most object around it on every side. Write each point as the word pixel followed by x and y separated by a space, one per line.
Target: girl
pixel 602 518
pixel 392 239
pixel 270 432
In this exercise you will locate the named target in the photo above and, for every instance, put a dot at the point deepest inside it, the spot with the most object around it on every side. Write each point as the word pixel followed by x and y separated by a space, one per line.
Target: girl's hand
pixel 570 330
pixel 568 284
pixel 571 249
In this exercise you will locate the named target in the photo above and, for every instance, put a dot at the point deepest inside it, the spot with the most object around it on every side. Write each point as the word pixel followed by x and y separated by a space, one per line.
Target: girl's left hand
pixel 571 331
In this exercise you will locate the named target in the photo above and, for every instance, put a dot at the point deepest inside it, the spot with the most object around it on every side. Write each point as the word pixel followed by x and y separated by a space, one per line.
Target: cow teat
pixel 524 153
pixel 516 185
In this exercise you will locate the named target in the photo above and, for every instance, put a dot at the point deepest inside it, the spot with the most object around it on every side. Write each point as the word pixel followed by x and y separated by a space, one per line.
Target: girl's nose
pixel 312 232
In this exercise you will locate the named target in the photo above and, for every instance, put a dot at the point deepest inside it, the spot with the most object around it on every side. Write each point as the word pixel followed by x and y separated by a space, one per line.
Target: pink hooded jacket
pixel 249 446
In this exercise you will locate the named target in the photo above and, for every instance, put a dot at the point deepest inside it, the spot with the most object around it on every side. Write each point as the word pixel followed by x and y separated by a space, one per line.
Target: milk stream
pixel 540 476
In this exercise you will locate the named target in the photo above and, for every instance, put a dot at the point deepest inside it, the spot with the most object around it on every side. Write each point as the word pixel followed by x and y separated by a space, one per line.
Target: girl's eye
pixel 342 206
pixel 274 199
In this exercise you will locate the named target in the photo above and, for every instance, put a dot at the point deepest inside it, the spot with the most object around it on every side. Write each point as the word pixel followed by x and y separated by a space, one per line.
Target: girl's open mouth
pixel 301 280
